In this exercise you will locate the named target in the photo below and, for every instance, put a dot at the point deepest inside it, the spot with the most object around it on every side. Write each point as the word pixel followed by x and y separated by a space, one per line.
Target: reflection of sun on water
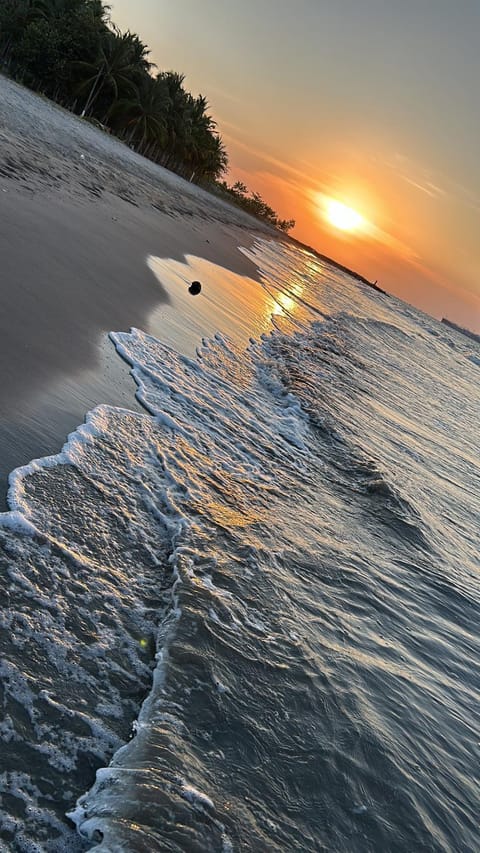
pixel 285 303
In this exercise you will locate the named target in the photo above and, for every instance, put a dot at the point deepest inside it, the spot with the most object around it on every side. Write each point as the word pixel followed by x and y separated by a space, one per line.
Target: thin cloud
pixel 262 156
pixel 427 188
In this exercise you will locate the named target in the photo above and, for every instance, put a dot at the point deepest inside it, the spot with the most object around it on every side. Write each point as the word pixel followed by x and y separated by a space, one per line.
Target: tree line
pixel 253 203
pixel 70 51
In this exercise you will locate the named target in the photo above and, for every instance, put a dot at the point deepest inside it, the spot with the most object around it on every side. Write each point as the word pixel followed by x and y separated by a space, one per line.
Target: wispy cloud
pixel 263 157
pixel 413 173
pixel 428 188
pixel 427 182
pixel 224 95
pixel 305 185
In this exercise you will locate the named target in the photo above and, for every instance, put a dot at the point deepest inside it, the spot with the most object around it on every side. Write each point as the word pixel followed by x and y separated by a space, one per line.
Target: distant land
pixel 466 332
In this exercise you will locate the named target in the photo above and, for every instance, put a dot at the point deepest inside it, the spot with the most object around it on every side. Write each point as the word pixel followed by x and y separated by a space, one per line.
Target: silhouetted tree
pixel 70 51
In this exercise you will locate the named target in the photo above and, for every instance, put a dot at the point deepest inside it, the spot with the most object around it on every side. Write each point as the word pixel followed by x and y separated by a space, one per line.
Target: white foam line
pixel 76 441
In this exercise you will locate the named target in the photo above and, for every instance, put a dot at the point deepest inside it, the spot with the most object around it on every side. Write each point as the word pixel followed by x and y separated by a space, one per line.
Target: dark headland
pixel 468 334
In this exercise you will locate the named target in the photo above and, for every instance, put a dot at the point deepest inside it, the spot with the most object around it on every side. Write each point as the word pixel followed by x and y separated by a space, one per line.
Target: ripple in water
pixel 272 575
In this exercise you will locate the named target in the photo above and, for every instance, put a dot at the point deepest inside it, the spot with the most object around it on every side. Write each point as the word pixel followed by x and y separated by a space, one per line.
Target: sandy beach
pixel 239 480
pixel 79 215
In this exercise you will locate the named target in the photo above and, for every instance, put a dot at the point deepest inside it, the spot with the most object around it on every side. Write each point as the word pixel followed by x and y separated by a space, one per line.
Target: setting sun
pixel 343 217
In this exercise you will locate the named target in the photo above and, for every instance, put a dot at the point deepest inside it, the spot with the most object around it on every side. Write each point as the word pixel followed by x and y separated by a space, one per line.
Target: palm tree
pixel 68 49
pixel 15 15
pixel 212 160
pixel 204 151
pixel 176 115
pixel 57 8
pixel 143 119
pixel 121 57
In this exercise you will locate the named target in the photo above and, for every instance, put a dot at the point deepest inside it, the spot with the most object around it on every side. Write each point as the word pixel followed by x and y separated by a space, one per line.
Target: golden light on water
pixel 286 303
pixel 283 303
pixel 343 217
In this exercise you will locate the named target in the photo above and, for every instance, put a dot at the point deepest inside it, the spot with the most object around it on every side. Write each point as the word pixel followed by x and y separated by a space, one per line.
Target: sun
pixel 343 217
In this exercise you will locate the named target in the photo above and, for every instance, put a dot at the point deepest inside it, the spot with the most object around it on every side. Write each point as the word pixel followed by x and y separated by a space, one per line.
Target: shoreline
pixel 74 266
pixel 71 274
pixel 80 213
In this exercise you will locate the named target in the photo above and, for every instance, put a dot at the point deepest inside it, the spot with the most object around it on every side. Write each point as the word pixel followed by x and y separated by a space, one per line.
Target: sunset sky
pixel 374 104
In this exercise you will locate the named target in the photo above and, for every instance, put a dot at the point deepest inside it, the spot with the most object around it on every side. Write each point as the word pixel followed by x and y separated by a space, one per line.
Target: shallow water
pixel 273 576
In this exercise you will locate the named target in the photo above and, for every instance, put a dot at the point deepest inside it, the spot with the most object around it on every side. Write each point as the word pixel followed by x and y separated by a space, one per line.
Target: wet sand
pixel 79 215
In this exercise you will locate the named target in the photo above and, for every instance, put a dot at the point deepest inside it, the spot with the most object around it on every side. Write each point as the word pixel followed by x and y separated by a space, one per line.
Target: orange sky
pixel 400 248
pixel 374 104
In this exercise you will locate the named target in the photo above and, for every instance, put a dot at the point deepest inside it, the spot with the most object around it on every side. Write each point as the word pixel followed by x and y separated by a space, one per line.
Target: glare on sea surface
pixel 283 304
pixel 234 305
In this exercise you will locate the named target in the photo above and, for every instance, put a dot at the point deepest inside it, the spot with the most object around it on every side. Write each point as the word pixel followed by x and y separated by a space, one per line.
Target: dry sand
pixel 79 214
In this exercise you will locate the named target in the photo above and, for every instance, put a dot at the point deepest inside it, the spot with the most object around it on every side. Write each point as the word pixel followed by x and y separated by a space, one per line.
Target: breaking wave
pixel 251 611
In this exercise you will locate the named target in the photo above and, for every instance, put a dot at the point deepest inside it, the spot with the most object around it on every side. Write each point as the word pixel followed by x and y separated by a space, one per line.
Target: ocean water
pixel 247 619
